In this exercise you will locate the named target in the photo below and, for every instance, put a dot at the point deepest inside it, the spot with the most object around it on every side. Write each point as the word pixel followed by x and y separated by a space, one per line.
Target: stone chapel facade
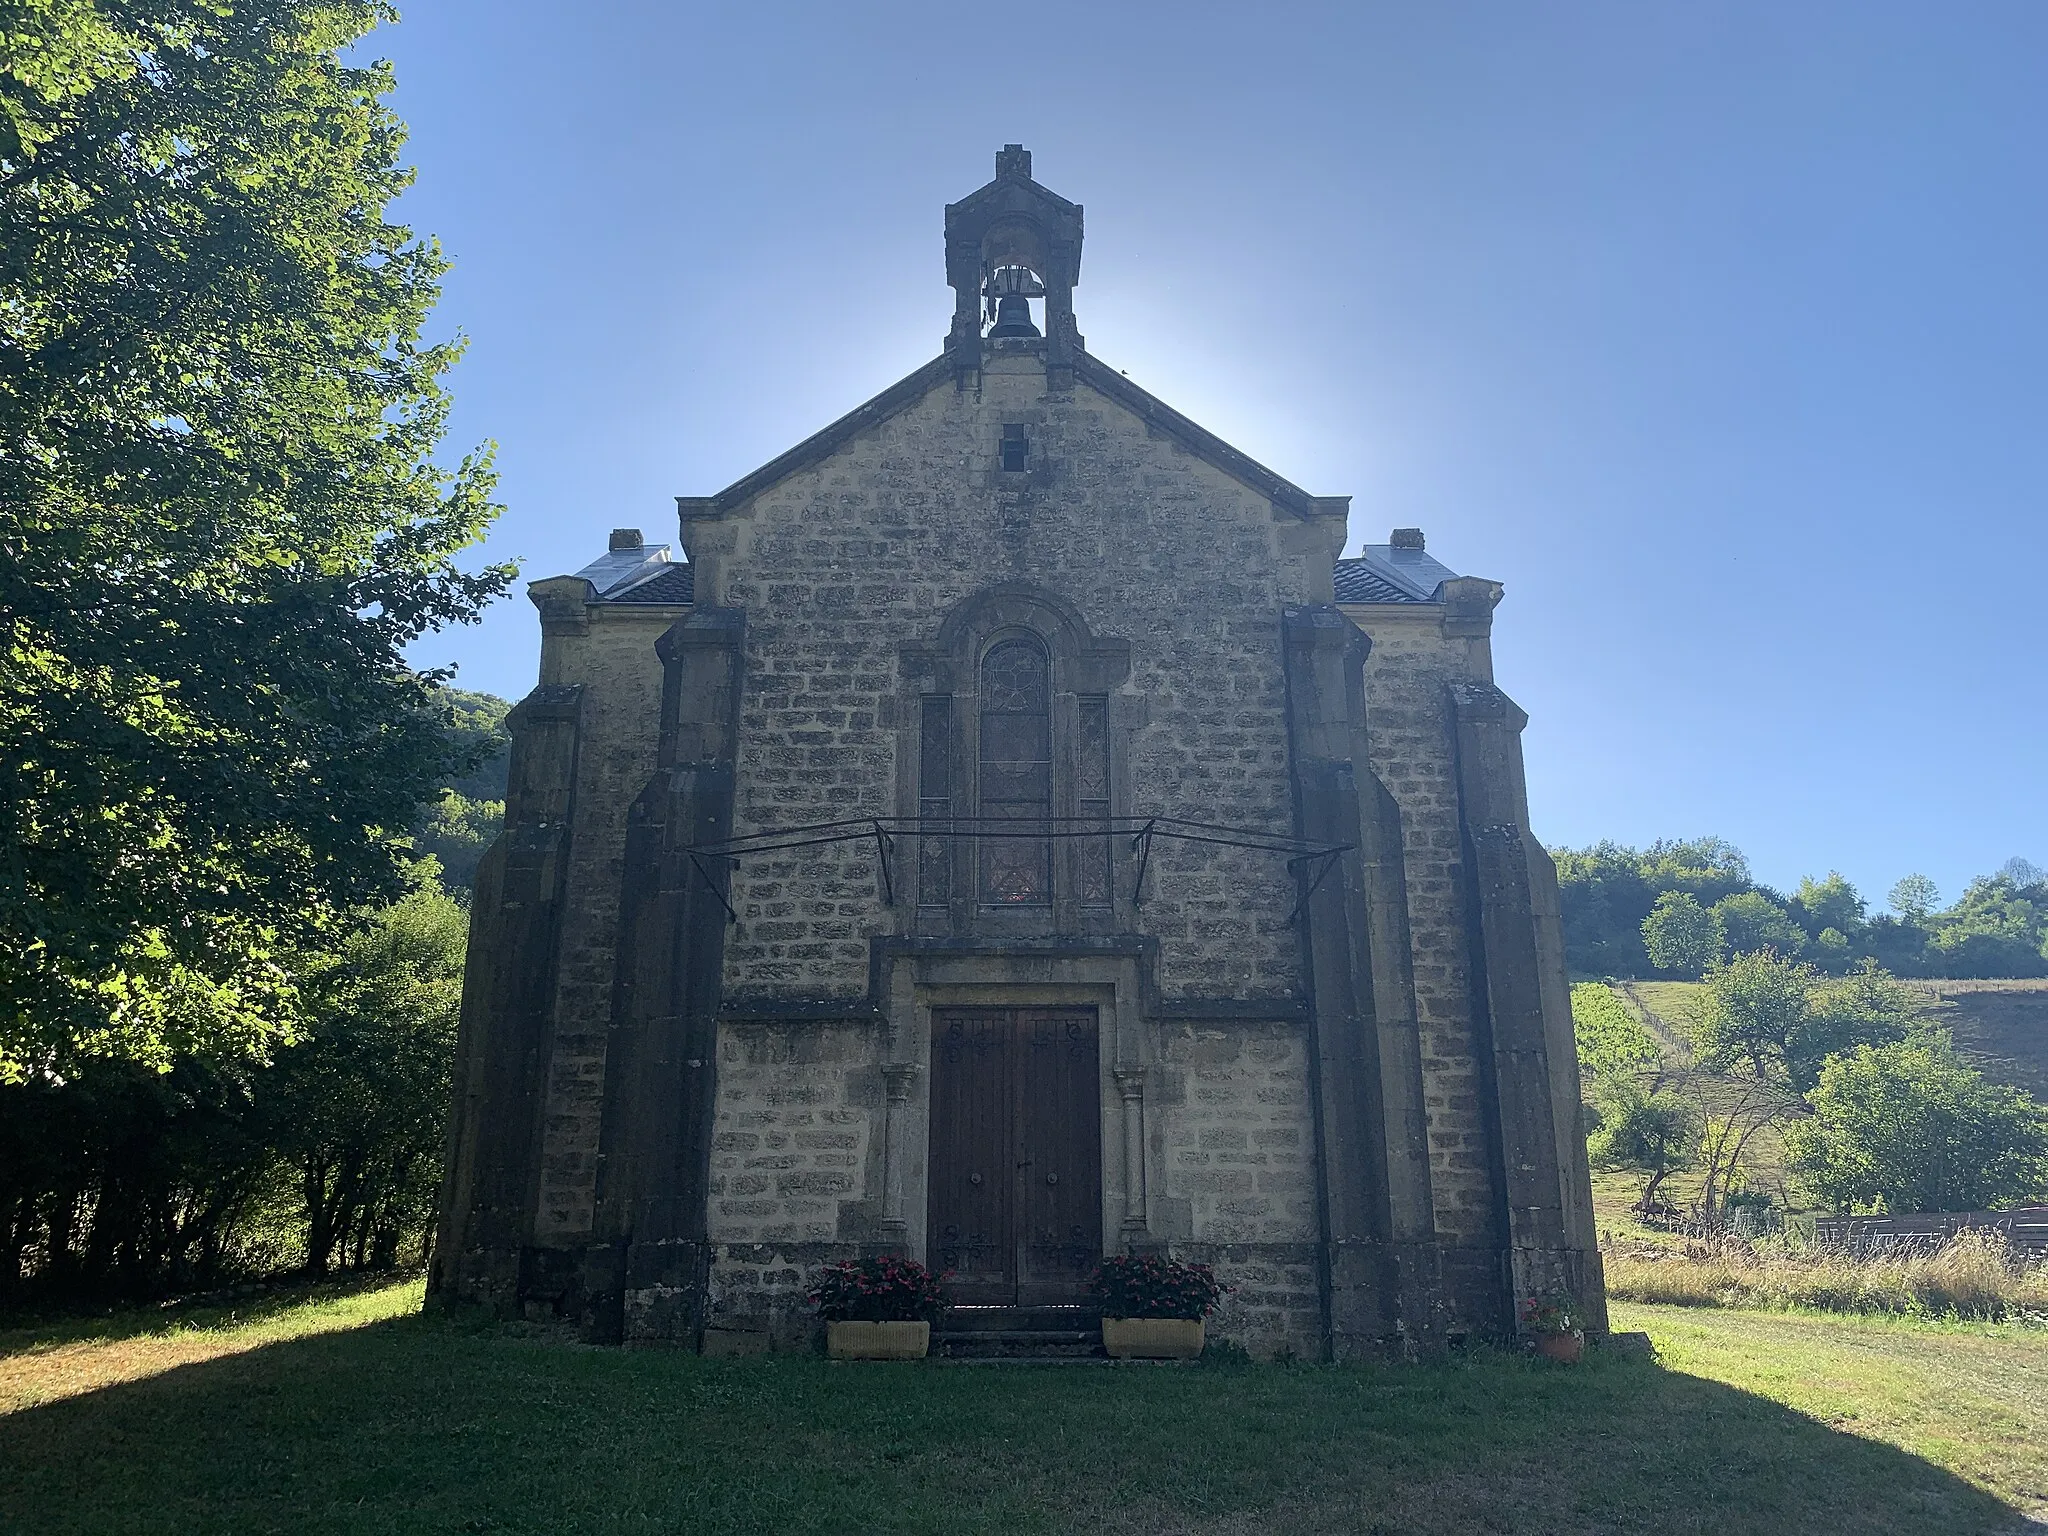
pixel 1013 835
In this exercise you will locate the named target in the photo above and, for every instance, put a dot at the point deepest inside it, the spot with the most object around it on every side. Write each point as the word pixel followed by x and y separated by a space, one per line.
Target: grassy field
pixel 2002 1024
pixel 336 1412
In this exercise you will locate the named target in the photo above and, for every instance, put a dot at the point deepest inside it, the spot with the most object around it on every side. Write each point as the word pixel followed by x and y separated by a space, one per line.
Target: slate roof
pixel 639 573
pixel 676 584
pixel 1391 573
pixel 1356 583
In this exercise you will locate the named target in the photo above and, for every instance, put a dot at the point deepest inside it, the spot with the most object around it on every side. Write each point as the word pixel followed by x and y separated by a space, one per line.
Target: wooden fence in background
pixel 2026 1229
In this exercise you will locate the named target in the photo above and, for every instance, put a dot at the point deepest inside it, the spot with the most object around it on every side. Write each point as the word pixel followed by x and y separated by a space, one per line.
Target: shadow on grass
pixel 416 1425
pixel 241 1304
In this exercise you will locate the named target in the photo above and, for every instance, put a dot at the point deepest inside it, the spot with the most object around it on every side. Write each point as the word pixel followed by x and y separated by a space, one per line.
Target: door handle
pixel 1052 1178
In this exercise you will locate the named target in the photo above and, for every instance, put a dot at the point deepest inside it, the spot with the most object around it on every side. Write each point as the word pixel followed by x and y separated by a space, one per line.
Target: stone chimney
pixel 629 538
pixel 1406 538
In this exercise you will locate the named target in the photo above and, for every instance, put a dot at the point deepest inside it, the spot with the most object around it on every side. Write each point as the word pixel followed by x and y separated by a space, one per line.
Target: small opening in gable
pixel 1015 446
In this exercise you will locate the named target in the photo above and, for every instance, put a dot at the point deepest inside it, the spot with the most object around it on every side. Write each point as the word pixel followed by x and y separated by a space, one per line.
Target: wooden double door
pixel 1015 1191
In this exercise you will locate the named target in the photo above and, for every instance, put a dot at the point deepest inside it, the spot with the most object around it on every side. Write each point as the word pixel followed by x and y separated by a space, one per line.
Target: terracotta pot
pixel 1564 1347
pixel 1152 1338
pixel 877 1341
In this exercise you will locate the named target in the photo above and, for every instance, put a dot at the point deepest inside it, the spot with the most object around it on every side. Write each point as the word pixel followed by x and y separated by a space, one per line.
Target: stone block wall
pixel 796 1163
pixel 612 655
pixel 1236 1133
pixel 795 1151
pixel 1410 737
pixel 1234 1142
pixel 838 565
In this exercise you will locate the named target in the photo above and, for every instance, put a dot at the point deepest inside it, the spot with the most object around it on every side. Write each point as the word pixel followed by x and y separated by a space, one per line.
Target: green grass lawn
pixel 340 1412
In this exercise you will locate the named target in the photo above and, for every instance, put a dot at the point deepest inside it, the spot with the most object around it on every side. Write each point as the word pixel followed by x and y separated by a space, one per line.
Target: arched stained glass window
pixel 1015 773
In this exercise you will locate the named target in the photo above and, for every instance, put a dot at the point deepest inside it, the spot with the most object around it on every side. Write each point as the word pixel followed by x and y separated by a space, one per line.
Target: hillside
pixel 2001 1025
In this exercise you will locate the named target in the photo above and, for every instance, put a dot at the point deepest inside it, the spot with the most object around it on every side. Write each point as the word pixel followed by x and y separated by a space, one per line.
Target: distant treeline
pixel 1678 907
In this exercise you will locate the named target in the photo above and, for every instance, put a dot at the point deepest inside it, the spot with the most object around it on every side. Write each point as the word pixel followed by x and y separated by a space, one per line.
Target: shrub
pixel 1147 1285
pixel 1912 1126
pixel 1644 1129
pixel 886 1290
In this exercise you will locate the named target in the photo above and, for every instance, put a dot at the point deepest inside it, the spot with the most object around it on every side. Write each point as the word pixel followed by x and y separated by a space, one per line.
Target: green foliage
pixel 1831 951
pixel 1819 905
pixel 481 737
pixel 357 1106
pixel 1914 897
pixel 1753 1011
pixel 1645 1129
pixel 1996 929
pixel 1867 1007
pixel 1611 1039
pixel 1770 1017
pixel 1609 890
pixel 1911 1126
pixel 220 520
pixel 130 1181
pixel 1681 937
pixel 455 834
pixel 1753 921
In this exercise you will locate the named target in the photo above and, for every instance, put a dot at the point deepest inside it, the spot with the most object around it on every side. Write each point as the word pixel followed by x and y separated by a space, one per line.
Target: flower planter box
pixel 877 1341
pixel 1563 1347
pixel 1152 1338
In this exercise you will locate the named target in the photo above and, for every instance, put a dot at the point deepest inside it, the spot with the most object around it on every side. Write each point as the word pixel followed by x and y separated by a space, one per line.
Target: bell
pixel 1013 317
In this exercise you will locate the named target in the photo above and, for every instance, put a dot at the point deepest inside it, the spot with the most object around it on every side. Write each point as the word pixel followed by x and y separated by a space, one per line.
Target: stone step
pixel 1017 1343
pixel 1041 1319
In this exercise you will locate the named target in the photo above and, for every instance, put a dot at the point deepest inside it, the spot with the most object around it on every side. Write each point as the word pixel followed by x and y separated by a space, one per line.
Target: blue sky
pixel 1716 332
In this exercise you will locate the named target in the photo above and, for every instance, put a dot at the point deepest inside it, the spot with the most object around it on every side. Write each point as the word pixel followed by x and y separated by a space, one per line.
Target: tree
pixel 1832 951
pixel 2023 872
pixel 1681 936
pixel 220 520
pixel 1771 1018
pixel 127 1182
pixel 1819 905
pixel 1898 946
pixel 462 821
pixel 1608 890
pixel 477 724
pixel 359 1104
pixel 1911 1126
pixel 1753 921
pixel 1914 897
pixel 1644 1128
pixel 455 834
pixel 1753 1011
pixel 1996 929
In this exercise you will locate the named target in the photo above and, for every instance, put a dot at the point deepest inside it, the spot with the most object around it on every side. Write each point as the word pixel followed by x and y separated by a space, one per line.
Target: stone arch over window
pixel 1017 719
